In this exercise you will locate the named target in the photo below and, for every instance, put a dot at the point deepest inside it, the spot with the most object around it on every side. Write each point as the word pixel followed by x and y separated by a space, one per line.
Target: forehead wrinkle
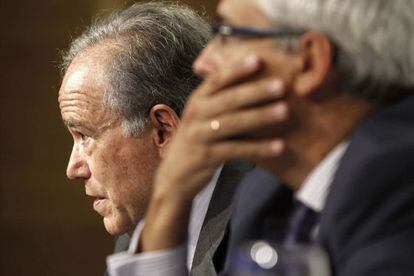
pixel 86 113
pixel 77 104
pixel 78 99
pixel 82 92
pixel 77 108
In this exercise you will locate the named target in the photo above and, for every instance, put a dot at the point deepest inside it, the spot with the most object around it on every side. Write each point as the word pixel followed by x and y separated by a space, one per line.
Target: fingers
pixel 229 75
pixel 252 150
pixel 242 96
pixel 244 122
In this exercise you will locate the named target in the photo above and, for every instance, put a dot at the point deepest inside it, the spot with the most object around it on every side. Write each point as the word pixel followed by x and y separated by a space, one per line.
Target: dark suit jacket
pixel 367 226
pixel 212 242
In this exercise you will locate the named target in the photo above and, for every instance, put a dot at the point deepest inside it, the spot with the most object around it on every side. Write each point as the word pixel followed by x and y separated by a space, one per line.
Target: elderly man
pixel 348 69
pixel 127 79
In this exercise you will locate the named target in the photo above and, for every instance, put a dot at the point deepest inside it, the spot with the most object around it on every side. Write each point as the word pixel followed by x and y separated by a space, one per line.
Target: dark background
pixel 47 224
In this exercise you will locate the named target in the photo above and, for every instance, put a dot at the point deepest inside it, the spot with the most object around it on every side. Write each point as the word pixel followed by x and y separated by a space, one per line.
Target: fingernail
pixel 276 147
pixel 251 62
pixel 275 87
pixel 280 111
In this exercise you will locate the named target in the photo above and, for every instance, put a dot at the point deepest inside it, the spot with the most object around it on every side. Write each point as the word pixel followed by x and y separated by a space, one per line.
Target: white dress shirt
pixel 172 262
pixel 315 188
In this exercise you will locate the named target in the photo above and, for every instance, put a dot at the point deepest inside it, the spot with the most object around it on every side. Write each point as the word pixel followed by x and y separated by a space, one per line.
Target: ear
pixel 164 122
pixel 317 58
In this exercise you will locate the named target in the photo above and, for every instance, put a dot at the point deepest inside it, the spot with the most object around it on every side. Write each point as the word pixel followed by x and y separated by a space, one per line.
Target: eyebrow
pixel 218 19
pixel 73 123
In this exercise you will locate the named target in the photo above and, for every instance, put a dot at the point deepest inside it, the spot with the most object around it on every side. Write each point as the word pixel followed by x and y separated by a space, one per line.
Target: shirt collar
pixel 316 186
pixel 198 213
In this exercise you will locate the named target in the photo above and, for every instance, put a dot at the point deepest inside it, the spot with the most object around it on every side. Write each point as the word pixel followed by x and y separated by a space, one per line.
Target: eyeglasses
pixel 228 31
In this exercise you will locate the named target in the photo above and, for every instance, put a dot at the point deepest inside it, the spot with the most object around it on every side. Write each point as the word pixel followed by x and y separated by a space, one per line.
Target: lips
pixel 100 205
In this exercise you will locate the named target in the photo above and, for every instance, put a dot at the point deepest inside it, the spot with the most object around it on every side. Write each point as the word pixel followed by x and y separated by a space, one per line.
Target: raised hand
pixel 221 114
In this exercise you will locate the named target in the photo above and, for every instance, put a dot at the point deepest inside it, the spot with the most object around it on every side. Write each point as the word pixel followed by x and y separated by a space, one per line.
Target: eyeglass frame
pixel 225 31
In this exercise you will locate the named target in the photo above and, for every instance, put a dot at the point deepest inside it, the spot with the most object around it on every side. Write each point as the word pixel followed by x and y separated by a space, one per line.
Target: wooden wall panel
pixel 47 225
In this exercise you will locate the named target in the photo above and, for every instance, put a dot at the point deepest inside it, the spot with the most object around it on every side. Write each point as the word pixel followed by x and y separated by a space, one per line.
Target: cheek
pixel 126 173
pixel 278 63
pixel 208 60
pixel 216 59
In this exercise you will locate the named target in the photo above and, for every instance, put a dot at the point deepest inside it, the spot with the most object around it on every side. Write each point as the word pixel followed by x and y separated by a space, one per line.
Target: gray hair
pixel 155 45
pixel 373 39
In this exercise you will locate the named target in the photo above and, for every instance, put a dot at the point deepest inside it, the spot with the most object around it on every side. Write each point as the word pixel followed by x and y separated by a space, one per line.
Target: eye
pixel 83 137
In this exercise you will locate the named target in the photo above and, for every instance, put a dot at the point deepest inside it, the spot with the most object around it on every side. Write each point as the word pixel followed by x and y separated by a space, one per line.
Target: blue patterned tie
pixel 301 224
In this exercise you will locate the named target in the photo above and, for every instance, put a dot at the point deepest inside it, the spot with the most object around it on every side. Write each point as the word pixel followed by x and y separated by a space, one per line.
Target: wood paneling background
pixel 47 225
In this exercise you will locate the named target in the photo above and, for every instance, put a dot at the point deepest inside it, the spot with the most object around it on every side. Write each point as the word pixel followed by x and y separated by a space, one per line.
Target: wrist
pixel 166 224
pixel 169 190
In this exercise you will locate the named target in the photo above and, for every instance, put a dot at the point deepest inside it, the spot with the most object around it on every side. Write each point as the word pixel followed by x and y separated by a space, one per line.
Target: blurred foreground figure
pixel 345 179
pixel 126 82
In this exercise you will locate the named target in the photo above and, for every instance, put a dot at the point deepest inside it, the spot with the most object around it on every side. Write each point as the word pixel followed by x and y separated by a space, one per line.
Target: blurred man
pixel 126 81
pixel 348 68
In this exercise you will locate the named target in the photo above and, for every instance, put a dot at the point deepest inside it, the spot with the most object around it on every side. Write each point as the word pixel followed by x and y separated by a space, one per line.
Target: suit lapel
pixel 359 200
pixel 217 217
pixel 262 205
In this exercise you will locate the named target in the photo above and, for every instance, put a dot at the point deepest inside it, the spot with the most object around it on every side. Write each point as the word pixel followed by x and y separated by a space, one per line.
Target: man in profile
pixel 348 69
pixel 126 81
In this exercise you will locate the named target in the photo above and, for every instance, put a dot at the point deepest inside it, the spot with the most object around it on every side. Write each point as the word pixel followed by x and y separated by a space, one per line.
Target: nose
pixel 208 60
pixel 78 167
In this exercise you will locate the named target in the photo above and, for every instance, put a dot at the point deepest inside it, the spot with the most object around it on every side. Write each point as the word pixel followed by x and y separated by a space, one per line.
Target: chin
pixel 115 228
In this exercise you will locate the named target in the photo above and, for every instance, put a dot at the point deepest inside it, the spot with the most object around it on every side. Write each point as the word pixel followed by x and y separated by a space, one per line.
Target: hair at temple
pixel 154 46
pixel 374 50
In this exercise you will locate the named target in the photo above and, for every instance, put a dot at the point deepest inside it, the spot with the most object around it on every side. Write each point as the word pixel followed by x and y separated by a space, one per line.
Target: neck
pixel 319 126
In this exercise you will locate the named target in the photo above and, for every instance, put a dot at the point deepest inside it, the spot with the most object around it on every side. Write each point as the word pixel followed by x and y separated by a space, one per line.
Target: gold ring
pixel 215 125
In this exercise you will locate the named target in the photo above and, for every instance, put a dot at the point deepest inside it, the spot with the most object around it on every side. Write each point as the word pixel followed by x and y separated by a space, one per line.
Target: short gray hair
pixel 155 45
pixel 375 45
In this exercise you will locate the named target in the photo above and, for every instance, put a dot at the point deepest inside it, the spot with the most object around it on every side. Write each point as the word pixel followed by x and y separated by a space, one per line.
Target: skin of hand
pixel 241 108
